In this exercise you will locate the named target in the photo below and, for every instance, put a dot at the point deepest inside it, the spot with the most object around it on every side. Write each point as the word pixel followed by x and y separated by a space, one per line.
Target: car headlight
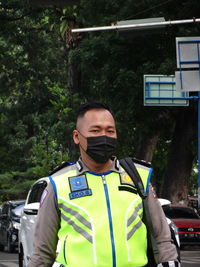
pixel 16 225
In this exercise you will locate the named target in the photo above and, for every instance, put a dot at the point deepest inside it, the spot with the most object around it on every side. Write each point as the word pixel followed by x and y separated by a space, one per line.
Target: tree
pixel 34 96
pixel 179 166
pixel 46 72
pixel 112 70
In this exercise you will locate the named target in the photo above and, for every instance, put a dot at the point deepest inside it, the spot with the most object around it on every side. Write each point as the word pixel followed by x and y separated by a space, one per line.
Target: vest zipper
pixel 110 220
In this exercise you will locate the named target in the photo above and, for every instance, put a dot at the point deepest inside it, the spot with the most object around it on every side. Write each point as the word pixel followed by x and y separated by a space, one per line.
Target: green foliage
pixel 113 65
pixel 37 108
pixel 33 95
pixel 14 185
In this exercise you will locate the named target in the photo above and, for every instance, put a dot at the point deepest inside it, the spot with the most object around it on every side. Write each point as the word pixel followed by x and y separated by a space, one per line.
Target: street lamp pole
pixel 137 26
pixel 199 150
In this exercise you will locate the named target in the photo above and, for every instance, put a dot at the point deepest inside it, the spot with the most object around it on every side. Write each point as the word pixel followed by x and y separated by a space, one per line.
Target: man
pixel 91 214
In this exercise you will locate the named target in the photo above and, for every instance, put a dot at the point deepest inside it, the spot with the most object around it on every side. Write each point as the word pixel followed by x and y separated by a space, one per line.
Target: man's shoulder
pixel 62 168
pixel 141 162
pixel 137 162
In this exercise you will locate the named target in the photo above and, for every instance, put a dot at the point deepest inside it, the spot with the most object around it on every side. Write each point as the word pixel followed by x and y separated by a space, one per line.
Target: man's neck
pixel 97 167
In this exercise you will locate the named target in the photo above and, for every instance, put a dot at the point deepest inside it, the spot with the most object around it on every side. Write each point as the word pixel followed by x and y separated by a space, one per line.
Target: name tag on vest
pixel 81 193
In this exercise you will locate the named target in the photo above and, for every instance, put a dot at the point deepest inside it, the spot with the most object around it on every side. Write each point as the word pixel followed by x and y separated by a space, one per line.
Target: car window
pixel 36 192
pixel 176 212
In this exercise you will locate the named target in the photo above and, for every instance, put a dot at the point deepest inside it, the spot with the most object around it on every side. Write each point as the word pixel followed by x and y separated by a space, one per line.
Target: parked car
pixel 187 221
pixel 10 213
pixel 28 219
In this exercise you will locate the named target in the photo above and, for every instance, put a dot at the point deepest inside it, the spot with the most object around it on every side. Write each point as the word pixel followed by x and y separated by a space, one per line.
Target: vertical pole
pixel 198 54
pixel 199 150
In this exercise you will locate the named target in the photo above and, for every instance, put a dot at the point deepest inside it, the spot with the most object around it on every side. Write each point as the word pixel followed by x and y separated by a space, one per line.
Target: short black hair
pixel 83 108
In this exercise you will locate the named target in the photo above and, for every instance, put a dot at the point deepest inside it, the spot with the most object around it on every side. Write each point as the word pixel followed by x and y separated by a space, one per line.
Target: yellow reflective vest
pixel 101 219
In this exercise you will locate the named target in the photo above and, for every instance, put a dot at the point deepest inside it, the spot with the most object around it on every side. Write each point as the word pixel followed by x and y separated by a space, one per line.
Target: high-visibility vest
pixel 101 219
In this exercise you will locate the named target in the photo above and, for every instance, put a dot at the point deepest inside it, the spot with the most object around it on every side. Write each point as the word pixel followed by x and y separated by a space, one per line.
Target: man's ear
pixel 76 137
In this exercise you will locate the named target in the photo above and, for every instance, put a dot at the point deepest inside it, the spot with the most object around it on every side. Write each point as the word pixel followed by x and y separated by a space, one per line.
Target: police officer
pixel 91 214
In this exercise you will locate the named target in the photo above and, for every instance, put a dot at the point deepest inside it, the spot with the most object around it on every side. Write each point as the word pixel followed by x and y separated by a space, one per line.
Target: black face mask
pixel 101 148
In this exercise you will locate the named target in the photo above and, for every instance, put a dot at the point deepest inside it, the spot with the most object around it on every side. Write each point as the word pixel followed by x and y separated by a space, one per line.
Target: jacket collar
pixel 81 167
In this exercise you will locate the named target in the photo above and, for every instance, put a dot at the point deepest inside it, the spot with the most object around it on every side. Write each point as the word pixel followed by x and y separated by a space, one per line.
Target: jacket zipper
pixel 110 220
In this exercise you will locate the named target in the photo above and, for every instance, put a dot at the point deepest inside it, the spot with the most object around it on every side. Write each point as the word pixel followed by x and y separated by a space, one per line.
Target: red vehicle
pixel 187 221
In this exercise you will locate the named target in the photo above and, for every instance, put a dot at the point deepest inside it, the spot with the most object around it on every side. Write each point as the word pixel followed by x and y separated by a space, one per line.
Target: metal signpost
pixel 161 90
pixel 188 57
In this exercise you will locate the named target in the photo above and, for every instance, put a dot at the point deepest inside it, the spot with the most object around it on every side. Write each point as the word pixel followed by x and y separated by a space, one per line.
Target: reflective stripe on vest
pixel 105 228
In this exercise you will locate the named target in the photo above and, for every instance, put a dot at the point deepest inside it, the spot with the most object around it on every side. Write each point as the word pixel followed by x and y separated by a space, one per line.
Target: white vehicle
pixel 28 219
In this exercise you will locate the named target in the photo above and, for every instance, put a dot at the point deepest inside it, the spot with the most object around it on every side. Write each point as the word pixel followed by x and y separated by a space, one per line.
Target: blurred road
pixel 189 257
pixel 8 259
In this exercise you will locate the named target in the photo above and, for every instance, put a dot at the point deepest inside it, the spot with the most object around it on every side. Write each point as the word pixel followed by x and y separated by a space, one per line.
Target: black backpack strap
pixel 129 167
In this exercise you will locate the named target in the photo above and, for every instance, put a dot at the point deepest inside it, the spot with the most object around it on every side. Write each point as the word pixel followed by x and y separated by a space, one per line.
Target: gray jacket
pixel 48 224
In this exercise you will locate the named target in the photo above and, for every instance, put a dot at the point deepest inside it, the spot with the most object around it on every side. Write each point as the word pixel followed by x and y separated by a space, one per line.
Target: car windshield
pixel 16 204
pixel 180 212
pixel 18 210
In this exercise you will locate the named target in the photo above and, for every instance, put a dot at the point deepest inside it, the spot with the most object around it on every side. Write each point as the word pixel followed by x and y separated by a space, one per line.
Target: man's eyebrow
pixel 95 126
pixel 98 126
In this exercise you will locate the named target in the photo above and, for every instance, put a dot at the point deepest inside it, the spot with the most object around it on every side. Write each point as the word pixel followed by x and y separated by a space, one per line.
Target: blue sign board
pixel 160 90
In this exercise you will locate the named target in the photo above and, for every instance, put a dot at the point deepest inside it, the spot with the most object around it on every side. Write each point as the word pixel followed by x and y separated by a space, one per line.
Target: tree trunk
pixel 181 156
pixel 74 76
pixel 146 147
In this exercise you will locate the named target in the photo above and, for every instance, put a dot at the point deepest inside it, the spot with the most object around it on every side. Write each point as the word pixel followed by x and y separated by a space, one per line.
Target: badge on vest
pixel 126 179
pixel 127 183
pixel 79 187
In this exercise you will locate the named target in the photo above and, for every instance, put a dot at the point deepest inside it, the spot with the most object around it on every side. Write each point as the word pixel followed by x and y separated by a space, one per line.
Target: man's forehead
pixel 96 116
